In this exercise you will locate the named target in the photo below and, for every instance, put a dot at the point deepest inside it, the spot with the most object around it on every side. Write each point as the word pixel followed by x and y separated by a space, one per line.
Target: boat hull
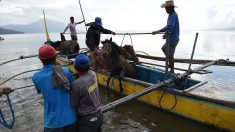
pixel 195 108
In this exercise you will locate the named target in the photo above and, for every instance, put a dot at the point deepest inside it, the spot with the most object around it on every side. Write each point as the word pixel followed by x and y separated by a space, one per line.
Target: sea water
pixel 28 105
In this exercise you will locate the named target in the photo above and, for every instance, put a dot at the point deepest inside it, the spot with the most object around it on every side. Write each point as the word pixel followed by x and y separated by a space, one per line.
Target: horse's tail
pixel 62 37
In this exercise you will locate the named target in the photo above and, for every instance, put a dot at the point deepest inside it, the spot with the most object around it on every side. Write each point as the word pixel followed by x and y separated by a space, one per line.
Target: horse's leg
pixel 108 90
pixel 120 80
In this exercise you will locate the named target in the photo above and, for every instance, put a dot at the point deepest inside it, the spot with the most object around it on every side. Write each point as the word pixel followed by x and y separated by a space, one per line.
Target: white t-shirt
pixel 72 28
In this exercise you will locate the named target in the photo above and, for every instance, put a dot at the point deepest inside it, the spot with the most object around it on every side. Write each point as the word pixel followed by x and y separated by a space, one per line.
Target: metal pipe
pixel 82 13
pixel 167 52
pixel 111 105
pixel 144 33
pixel 20 58
pixel 190 63
pixel 18 75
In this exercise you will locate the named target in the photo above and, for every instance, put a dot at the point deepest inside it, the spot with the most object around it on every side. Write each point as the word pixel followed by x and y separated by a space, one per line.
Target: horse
pixel 130 50
pixel 66 46
pixel 111 56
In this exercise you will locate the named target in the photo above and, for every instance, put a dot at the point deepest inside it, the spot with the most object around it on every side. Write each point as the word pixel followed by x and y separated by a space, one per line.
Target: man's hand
pixel 155 32
pixel 6 89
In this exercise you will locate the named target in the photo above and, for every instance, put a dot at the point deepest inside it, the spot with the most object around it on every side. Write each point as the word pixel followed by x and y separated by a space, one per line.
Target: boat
pixel 177 100
pixel 1 38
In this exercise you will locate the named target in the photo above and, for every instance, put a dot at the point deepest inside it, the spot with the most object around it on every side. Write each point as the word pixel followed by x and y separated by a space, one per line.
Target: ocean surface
pixel 28 105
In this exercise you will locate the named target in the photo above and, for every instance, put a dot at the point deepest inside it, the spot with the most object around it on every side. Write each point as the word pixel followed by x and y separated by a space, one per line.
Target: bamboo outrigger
pixel 179 101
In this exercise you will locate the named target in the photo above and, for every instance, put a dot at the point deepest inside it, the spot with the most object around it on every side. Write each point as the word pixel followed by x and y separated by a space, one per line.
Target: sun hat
pixel 168 3
pixel 46 52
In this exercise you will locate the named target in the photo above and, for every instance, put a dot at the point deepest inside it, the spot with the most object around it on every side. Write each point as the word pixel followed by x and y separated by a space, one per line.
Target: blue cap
pixel 98 21
pixel 82 61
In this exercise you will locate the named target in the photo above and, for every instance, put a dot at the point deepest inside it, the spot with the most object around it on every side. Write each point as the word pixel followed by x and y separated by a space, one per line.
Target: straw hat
pixel 168 3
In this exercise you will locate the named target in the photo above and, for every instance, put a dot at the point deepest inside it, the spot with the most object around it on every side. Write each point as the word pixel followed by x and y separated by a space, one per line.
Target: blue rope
pixel 2 120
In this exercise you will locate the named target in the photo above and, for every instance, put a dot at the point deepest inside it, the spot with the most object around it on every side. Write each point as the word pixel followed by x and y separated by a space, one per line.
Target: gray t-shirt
pixel 85 94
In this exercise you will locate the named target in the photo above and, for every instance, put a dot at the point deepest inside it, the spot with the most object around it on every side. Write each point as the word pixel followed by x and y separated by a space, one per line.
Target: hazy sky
pixel 127 15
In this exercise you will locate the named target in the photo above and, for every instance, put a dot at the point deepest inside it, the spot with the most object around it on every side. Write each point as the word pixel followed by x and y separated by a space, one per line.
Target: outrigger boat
pixel 1 38
pixel 177 100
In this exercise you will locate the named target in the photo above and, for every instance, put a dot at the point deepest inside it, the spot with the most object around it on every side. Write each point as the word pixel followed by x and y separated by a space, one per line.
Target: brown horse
pixel 130 50
pixel 111 58
pixel 66 46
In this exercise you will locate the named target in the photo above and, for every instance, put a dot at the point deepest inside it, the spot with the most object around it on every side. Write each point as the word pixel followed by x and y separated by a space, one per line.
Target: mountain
pixel 37 27
pixel 7 31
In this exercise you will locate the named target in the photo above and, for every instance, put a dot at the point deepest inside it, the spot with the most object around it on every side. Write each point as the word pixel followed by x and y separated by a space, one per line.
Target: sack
pixel 59 78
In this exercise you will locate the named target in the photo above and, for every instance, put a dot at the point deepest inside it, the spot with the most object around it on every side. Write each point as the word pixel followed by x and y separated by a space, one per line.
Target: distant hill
pixel 37 27
pixel 8 31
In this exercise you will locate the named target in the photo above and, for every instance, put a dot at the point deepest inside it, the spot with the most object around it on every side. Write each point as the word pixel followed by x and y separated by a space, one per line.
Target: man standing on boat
pixel 173 29
pixel 72 28
pixel 59 116
pixel 93 34
pixel 85 97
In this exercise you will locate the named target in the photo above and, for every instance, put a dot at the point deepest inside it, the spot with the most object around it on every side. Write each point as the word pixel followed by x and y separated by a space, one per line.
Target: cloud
pixel 122 14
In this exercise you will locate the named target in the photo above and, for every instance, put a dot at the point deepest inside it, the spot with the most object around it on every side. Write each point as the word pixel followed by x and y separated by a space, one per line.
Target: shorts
pixel 172 47
pixel 74 37
pixel 90 123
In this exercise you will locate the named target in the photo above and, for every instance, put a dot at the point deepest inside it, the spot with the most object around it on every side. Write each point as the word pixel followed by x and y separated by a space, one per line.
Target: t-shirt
pixel 173 27
pixel 72 28
pixel 57 109
pixel 85 94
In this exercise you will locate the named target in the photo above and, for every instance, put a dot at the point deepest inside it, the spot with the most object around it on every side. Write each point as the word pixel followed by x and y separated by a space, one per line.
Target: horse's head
pixel 110 49
pixel 56 44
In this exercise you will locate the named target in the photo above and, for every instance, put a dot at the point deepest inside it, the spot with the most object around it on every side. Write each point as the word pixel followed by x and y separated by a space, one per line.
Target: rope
pixel 18 75
pixel 2 120
pixel 143 52
pixel 124 38
pixel 170 89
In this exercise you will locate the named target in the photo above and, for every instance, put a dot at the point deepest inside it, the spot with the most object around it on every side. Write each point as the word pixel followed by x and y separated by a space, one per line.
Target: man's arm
pixel 80 22
pixel 6 89
pixel 106 31
pixel 65 29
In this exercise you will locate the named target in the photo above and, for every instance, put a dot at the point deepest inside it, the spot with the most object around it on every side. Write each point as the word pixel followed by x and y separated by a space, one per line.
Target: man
pixel 72 28
pixel 5 89
pixel 59 116
pixel 93 34
pixel 173 28
pixel 85 97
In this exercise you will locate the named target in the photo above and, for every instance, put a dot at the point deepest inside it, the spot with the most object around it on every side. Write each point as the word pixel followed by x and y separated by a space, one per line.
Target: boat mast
pixel 46 30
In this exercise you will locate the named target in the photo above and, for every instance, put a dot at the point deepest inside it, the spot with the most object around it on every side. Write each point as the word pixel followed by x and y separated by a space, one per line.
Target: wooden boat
pixel 177 100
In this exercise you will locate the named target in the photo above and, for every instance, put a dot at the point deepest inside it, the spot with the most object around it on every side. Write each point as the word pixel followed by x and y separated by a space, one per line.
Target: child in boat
pixel 85 97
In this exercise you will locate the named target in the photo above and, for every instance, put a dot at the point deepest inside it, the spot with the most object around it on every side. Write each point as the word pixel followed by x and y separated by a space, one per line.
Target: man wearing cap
pixel 173 28
pixel 72 28
pixel 93 34
pixel 85 97
pixel 59 116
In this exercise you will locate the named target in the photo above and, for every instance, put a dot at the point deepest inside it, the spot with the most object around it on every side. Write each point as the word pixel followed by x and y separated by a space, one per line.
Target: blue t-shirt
pixel 57 109
pixel 172 27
